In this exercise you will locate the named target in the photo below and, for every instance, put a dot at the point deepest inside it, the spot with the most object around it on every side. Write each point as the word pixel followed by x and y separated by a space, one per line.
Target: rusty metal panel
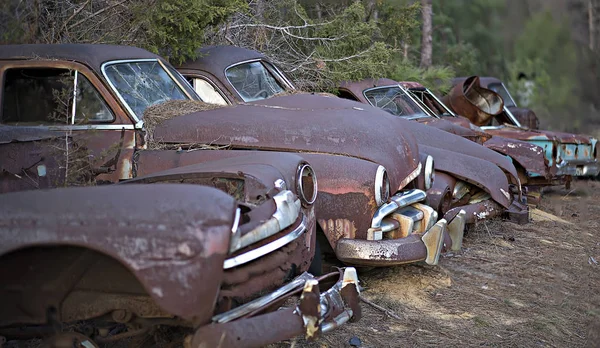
pixel 173 238
pixel 478 104
pixel 475 171
pixel 288 124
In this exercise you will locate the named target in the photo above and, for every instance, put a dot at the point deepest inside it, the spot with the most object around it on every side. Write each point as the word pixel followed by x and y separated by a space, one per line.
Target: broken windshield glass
pixel 141 84
pixel 393 100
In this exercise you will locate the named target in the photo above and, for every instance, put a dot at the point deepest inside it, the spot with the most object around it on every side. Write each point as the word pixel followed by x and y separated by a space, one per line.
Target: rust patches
pixel 478 104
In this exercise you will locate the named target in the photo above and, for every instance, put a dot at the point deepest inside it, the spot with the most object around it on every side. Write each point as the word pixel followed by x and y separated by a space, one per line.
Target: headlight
pixel 429 172
pixel 307 184
pixel 382 186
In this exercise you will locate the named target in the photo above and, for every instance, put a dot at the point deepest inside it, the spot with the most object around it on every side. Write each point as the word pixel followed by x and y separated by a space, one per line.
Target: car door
pixel 60 126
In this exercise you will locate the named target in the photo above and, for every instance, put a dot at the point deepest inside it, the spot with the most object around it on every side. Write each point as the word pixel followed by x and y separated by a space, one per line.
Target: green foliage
pixel 354 55
pixel 398 20
pixel 546 53
pixel 467 36
pixel 436 78
pixel 175 28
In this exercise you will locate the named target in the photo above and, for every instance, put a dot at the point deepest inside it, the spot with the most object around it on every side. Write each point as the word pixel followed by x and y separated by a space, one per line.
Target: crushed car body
pixel 117 261
pixel 389 96
pixel 572 154
pixel 362 152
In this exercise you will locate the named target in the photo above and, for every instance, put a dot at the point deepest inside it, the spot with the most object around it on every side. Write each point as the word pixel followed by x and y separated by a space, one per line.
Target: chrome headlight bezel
pixel 307 195
pixel 382 186
pixel 429 172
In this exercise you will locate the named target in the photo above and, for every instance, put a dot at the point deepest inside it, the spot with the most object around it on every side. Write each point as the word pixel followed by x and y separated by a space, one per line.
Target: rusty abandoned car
pixel 474 98
pixel 228 74
pixel 94 265
pixel 363 226
pixel 394 97
pixel 70 117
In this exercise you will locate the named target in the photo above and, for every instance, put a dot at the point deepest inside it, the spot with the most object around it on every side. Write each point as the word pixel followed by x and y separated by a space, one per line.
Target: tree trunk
pixel 426 33
pixel 591 25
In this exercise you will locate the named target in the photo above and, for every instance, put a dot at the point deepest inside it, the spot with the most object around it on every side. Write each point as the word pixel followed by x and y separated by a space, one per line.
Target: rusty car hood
pixel 302 123
pixel 536 134
pixel 528 155
pixel 453 127
pixel 437 138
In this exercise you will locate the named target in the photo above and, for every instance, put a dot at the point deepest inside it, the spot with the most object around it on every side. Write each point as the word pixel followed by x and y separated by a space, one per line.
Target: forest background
pixel 555 43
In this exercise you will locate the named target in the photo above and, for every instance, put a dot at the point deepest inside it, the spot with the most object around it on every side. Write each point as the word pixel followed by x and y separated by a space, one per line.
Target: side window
pixel 207 92
pixel 253 81
pixel 40 96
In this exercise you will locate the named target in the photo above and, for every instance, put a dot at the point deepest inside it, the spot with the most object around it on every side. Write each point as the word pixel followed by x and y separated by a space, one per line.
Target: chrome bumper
pixel 578 168
pixel 316 313
pixel 404 231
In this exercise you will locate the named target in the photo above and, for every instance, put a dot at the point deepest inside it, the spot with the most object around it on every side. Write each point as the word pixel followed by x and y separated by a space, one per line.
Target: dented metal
pixel 349 206
pixel 571 154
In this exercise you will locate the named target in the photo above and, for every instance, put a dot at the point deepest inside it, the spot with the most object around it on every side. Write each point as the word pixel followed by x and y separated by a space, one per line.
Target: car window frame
pixel 121 119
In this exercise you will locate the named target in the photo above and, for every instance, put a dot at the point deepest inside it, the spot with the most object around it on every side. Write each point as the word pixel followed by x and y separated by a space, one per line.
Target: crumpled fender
pixel 528 155
pixel 478 172
pixel 433 137
pixel 172 238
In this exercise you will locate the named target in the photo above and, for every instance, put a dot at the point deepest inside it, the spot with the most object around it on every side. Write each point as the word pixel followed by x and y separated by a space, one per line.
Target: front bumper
pixel 404 231
pixel 316 313
pixel 578 168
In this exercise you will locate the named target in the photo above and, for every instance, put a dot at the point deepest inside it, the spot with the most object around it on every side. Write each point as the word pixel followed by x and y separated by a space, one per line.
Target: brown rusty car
pixel 96 265
pixel 359 171
pixel 572 154
pixel 392 229
pixel 228 74
pixel 422 106
pixel 69 118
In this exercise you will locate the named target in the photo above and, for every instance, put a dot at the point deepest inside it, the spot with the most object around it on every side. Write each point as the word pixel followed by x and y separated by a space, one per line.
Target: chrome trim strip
pixel 74 107
pixel 287 210
pixel 492 127
pixel 450 112
pixel 512 117
pixel 83 127
pixel 267 248
pixel 260 302
pixel 508 93
pixel 412 176
pixel 236 221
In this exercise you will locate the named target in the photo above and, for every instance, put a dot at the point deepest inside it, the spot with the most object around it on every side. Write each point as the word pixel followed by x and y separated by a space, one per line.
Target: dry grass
pixel 511 286
pixel 157 114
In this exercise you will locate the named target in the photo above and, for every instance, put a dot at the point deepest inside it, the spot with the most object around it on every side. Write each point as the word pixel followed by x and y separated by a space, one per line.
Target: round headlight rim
pixel 382 186
pixel 302 168
pixel 429 172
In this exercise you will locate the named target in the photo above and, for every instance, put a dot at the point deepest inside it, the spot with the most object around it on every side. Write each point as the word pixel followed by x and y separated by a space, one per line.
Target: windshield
pixel 253 81
pixel 141 84
pixel 500 89
pixel 395 101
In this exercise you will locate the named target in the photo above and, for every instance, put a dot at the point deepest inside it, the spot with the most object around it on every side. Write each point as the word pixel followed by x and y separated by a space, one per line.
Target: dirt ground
pixel 534 285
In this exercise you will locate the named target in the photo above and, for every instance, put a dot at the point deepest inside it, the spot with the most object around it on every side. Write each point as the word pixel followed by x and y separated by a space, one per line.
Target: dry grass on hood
pixel 297 91
pixel 155 115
